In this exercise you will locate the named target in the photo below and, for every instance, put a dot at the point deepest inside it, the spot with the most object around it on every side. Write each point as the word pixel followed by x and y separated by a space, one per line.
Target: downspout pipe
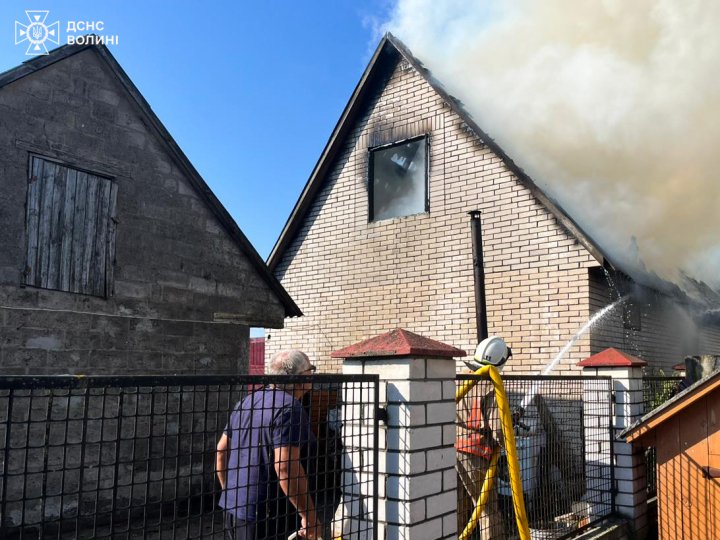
pixel 479 276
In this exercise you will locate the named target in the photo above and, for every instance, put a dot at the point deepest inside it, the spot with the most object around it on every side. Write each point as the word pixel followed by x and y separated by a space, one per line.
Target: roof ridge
pixel 32 65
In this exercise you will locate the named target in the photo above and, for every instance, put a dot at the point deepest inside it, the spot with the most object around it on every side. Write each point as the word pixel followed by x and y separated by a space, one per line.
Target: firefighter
pixel 480 433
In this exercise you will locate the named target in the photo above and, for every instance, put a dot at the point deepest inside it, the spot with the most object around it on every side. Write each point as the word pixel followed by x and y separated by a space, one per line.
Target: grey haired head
pixel 289 362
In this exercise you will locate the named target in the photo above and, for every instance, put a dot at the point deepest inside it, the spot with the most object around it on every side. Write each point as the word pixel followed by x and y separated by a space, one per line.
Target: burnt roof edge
pixel 200 186
pixel 349 113
pixel 563 218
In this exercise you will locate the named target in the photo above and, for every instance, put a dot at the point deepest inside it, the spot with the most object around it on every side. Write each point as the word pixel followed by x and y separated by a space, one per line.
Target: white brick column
pixel 629 462
pixel 417 491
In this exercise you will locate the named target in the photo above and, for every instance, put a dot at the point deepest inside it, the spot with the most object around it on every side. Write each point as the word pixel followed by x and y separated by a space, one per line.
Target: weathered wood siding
pixel 70 224
pixel 688 500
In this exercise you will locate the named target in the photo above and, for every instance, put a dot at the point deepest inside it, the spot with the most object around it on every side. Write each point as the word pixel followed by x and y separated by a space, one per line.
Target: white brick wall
pixel 417 479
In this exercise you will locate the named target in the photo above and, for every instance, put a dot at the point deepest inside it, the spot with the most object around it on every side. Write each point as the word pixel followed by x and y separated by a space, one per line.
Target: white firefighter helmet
pixel 492 351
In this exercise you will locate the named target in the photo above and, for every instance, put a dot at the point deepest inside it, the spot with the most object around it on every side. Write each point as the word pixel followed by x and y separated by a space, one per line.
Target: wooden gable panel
pixel 70 225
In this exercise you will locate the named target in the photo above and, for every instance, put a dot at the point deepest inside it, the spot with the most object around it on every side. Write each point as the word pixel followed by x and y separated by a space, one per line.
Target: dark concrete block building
pixel 115 255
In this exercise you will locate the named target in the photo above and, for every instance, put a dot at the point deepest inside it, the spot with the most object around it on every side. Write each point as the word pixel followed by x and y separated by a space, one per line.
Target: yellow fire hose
pixel 510 449
pixel 484 495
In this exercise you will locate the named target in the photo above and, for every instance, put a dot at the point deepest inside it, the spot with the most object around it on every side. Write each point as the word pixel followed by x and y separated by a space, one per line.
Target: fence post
pixel 417 488
pixel 629 467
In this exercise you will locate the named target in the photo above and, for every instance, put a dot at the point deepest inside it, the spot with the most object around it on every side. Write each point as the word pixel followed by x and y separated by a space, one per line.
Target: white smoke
pixel 612 106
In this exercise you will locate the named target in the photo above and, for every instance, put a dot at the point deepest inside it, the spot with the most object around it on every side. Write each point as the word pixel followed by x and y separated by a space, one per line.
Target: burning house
pixel 380 238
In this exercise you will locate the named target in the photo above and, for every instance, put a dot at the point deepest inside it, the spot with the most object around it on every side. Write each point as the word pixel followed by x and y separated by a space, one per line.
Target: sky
pixel 261 82
pixel 584 98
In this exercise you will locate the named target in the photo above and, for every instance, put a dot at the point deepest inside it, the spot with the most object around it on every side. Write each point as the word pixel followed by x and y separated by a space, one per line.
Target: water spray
pixel 552 365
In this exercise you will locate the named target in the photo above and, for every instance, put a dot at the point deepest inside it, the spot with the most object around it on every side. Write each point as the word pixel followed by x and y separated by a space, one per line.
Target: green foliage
pixel 658 390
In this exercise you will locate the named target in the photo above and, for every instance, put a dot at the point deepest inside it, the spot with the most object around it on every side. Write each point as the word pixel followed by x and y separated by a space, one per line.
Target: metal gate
pixel 562 428
pixel 136 457
pixel 656 391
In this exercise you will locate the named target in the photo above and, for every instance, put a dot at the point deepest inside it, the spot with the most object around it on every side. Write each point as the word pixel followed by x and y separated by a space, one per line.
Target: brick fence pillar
pixel 417 489
pixel 630 471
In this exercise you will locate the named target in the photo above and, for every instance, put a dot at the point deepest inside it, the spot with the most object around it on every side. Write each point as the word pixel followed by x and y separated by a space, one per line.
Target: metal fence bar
pixel 564 439
pixel 81 469
pixel 6 455
pixel 375 459
pixel 656 391
pixel 611 442
pixel 134 457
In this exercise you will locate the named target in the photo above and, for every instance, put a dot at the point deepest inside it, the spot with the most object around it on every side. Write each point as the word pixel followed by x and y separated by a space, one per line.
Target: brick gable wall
pixel 355 279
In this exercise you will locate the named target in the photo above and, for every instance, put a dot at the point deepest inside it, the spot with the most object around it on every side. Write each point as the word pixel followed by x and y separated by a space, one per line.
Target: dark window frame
pixel 111 232
pixel 371 178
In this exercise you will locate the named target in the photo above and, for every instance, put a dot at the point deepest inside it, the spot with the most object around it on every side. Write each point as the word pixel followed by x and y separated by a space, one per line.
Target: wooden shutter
pixel 70 223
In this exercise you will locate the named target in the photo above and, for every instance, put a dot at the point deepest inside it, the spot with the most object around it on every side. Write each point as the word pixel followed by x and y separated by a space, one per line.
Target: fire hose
pixel 512 457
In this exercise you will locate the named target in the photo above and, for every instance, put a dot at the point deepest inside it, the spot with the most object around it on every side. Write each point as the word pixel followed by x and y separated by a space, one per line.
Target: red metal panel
pixel 257 356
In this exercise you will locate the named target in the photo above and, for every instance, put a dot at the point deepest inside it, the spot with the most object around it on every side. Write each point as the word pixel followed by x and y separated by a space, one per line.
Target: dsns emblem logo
pixel 37 32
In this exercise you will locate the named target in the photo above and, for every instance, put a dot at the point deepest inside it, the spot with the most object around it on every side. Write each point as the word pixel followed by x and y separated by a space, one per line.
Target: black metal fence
pixel 563 438
pixel 656 391
pixel 137 457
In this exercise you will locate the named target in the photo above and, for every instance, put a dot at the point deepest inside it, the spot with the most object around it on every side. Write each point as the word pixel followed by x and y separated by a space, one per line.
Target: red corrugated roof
pixel 399 342
pixel 612 357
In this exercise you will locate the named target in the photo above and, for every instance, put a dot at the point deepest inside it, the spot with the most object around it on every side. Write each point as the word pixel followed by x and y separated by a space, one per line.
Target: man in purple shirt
pixel 259 461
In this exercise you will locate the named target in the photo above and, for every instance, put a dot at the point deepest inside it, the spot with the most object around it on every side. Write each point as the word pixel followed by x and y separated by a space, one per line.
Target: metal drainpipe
pixel 479 273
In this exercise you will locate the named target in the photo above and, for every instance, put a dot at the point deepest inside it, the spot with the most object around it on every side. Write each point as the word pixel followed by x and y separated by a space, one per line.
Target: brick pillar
pixel 417 481
pixel 630 472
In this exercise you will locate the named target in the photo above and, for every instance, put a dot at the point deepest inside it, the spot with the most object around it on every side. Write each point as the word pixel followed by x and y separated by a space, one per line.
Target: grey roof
pixel 184 164
pixel 388 52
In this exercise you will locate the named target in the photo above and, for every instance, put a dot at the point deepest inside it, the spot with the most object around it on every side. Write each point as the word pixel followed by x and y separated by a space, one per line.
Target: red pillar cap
pixel 398 343
pixel 612 358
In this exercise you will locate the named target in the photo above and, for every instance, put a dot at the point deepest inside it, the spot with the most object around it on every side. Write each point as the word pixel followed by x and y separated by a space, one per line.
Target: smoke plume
pixel 613 107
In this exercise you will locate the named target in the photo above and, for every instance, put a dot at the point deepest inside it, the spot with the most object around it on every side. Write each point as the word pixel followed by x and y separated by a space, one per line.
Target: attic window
pixel 398 179
pixel 70 224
